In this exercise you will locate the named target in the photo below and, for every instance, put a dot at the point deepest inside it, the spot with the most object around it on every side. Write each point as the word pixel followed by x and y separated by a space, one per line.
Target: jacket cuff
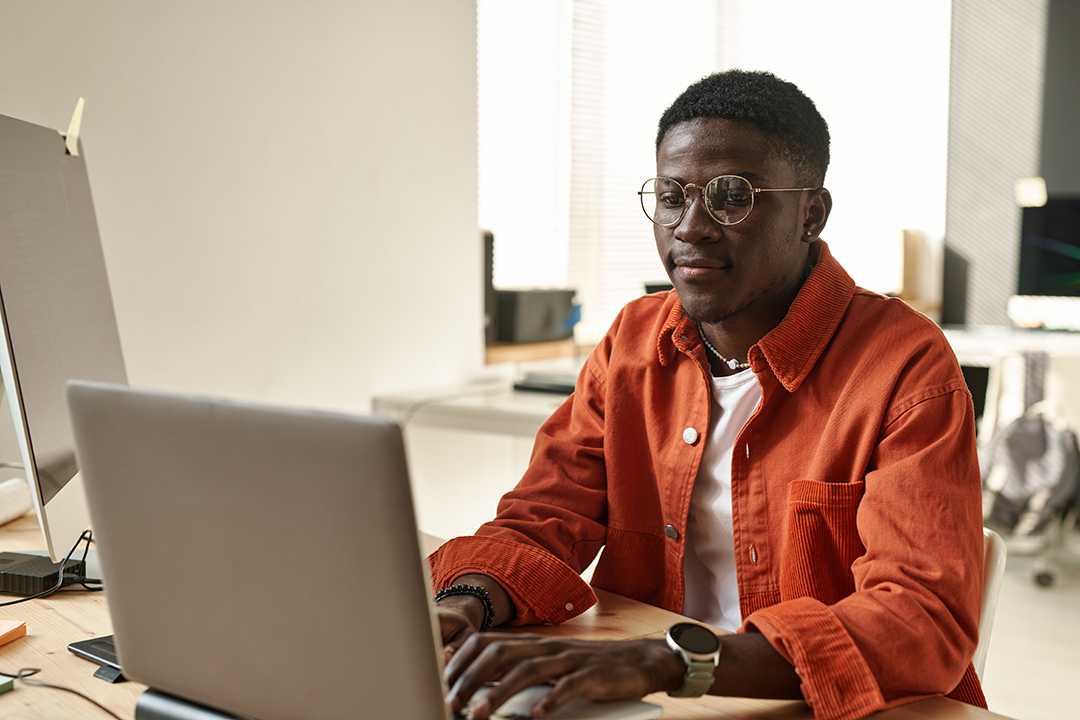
pixel 836 681
pixel 544 589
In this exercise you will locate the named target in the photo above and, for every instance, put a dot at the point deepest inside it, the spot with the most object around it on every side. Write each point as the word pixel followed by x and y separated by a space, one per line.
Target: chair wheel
pixel 1044 578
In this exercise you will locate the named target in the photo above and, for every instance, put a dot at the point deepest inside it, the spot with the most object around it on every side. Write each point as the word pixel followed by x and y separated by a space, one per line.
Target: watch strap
pixel 698 679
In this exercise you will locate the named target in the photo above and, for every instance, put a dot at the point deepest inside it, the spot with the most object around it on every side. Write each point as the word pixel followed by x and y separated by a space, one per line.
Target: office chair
pixel 993 570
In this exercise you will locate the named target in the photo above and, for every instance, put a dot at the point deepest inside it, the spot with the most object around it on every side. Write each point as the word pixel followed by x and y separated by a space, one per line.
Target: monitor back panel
pixel 56 313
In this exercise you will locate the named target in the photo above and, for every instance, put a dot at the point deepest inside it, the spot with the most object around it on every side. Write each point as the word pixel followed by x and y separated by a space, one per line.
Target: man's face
pixel 750 271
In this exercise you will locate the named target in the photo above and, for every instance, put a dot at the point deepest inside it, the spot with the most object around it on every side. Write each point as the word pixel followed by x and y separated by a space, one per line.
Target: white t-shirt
pixel 712 590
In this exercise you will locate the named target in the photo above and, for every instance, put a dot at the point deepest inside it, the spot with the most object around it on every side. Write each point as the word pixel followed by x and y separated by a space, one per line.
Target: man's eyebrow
pixel 749 175
pixel 681 179
pixel 755 178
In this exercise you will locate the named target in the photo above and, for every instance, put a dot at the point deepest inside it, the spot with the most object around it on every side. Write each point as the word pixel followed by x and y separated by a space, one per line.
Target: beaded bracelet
pixel 477 592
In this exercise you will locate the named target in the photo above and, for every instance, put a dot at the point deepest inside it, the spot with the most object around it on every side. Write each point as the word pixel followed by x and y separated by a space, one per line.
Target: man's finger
pixel 522 666
pixel 486 658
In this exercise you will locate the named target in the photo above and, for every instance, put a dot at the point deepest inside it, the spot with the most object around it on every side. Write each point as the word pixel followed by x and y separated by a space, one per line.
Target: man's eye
pixel 671 200
pixel 736 197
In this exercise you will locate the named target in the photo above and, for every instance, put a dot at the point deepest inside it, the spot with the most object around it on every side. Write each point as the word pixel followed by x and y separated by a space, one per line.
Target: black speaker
pixel 954 287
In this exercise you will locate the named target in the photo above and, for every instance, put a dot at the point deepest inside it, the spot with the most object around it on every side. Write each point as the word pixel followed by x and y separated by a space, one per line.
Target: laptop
pixel 263 562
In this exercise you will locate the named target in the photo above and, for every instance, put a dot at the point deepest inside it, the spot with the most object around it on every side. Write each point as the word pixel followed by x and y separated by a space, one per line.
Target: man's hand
pixel 592 670
pixel 463 615
pixel 456 627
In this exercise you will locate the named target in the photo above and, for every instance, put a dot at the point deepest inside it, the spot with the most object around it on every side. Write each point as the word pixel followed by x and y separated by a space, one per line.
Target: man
pixel 767 448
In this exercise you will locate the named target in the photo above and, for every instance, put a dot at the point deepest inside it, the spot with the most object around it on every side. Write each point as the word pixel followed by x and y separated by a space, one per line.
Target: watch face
pixel 694 638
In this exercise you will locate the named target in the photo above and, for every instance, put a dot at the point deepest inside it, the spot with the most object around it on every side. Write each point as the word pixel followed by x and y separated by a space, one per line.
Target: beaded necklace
pixel 733 364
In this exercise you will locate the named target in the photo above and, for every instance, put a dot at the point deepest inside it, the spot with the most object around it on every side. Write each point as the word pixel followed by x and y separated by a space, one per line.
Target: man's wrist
pixel 672 668
pixel 472 601
pixel 470 607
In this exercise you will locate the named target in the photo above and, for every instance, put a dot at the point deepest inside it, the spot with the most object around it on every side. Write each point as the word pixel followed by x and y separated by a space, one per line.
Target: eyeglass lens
pixel 729 199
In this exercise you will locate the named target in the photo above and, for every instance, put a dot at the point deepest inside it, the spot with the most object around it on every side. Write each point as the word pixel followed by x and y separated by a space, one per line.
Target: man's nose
pixel 697 224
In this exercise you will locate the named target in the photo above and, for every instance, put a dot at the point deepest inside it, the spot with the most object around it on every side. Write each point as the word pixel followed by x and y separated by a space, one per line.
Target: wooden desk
pixel 51 624
pixel 617 617
pixel 55 621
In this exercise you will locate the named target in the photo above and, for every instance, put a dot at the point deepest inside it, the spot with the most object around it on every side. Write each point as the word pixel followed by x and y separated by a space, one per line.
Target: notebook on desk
pixel 296 584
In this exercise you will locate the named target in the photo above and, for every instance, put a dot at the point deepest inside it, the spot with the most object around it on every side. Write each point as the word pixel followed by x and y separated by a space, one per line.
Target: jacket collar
pixel 791 348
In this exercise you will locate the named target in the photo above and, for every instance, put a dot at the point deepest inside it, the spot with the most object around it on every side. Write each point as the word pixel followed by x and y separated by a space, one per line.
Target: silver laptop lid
pixel 260 560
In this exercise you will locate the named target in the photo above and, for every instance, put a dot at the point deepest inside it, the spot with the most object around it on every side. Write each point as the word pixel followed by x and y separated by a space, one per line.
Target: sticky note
pixel 6 684
pixel 11 629
pixel 71 140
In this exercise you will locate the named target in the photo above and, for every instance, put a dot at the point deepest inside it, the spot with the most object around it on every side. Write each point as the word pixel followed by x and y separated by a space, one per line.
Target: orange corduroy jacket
pixel 855 493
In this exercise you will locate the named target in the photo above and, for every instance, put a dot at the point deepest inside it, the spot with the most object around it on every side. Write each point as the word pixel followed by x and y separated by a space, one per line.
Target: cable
pixel 88 537
pixel 61 581
pixel 86 551
pixel 28 672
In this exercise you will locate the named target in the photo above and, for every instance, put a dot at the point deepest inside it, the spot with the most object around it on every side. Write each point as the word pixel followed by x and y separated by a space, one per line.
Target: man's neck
pixel 735 335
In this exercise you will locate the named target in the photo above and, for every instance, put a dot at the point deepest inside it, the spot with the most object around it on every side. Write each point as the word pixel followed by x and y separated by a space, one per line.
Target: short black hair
pixel 776 107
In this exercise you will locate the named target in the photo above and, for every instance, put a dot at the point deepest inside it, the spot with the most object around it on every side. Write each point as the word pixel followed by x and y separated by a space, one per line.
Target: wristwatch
pixel 700 650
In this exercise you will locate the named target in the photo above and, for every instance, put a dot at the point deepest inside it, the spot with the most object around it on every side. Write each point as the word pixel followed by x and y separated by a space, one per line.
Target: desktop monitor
pixel 1050 249
pixel 56 315
pixel 1048 281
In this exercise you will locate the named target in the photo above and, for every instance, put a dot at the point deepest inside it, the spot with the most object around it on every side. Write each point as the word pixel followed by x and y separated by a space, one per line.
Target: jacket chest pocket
pixel 821 540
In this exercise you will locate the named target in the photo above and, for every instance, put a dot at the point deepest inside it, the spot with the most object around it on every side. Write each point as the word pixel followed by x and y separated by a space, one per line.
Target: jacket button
pixel 671 531
pixel 689 436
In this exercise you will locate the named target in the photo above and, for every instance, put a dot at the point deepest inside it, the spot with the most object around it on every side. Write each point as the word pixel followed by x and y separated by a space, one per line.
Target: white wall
pixel 286 192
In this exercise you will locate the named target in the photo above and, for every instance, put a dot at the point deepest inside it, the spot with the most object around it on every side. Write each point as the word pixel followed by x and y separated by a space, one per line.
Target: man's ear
pixel 816 213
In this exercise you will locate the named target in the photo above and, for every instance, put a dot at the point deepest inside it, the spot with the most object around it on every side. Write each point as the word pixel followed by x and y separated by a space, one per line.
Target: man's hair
pixel 774 106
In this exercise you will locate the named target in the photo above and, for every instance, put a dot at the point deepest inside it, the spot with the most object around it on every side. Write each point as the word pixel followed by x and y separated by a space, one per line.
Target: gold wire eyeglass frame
pixel 642 193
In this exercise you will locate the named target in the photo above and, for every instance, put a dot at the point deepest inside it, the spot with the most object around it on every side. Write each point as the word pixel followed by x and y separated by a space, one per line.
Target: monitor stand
pixel 15 498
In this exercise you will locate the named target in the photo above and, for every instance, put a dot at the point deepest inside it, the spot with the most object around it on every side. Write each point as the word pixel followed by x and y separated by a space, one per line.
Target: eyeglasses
pixel 728 198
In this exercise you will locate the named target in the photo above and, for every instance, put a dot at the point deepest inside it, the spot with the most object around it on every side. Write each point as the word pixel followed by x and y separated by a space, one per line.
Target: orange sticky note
pixel 11 629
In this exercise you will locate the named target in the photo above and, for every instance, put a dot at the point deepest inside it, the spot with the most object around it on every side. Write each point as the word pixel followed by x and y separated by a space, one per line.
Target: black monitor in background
pixel 1050 249
pixel 56 315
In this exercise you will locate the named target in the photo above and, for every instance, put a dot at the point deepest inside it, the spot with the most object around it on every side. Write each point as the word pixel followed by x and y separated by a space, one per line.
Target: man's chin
pixel 708 316
pixel 705 310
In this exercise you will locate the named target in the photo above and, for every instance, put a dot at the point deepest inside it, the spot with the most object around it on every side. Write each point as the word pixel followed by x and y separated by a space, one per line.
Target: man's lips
pixel 699 268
